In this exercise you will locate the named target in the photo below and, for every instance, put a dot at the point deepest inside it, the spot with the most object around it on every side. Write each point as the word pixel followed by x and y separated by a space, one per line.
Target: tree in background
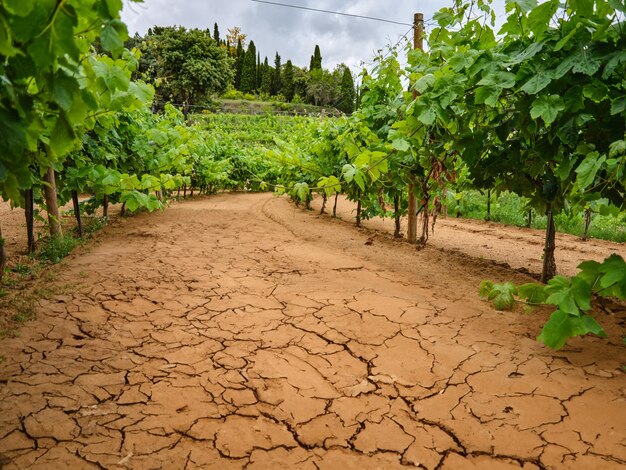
pixel 300 82
pixel 239 64
pixel 322 88
pixel 189 64
pixel 216 33
pixel 259 71
pixel 248 70
pixel 316 60
pixel 288 88
pixel 276 76
pixel 346 93
pixel 266 78
pixel 233 37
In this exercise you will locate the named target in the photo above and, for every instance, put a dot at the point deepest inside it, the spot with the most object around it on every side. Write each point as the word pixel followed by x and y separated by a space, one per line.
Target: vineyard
pixel 231 303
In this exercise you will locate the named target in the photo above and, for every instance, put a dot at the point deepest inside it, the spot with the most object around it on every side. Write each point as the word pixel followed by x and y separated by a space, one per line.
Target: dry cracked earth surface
pixel 239 332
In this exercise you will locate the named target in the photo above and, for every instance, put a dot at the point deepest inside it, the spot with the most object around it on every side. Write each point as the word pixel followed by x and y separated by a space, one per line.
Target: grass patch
pixel 23 308
pixel 510 209
pixel 54 249
pixel 22 269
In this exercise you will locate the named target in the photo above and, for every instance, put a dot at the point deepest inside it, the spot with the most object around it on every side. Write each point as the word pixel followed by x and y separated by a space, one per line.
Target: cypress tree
pixel 239 65
pixel 316 59
pixel 216 34
pixel 266 77
pixel 276 79
pixel 248 70
pixel 346 92
pixel 259 71
pixel 288 89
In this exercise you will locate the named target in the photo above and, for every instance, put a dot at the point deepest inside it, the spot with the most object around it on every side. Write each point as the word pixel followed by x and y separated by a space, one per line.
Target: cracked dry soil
pixel 236 331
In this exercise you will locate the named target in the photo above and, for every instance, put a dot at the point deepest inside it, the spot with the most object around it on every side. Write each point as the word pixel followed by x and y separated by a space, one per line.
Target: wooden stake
pixel 418 30
pixel 52 206
pixel 29 212
pixel 76 205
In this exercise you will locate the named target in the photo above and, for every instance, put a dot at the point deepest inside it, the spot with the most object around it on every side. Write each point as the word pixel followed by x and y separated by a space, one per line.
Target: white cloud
pixel 291 32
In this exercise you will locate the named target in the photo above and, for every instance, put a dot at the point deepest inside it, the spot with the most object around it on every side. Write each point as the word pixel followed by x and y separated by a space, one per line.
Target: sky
pixel 290 32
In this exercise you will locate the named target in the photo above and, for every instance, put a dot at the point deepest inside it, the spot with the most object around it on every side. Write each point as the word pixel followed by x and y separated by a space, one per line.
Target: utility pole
pixel 418 33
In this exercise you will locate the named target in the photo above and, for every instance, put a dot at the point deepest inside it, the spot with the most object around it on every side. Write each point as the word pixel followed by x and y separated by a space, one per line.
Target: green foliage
pixel 52 86
pixel 502 296
pixel 572 298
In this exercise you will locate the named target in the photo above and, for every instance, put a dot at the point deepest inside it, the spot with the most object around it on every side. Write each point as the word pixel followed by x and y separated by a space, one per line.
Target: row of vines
pixel 536 108
pixel 73 122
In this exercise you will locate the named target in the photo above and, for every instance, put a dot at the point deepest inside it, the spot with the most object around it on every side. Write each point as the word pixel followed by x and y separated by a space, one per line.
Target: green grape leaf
pixel 113 36
pixel 618 105
pixel 401 144
pixel 614 272
pixel 539 18
pixel 596 91
pixel 618 5
pixel 532 292
pixel 114 7
pixel 525 5
pixel 63 90
pixel 499 79
pixel 427 116
pixel 537 83
pixel 588 169
pixel 488 95
pixel 547 108
pixel 586 64
pixel 63 138
pixel 502 296
pixel 561 326
pixel 301 191
pixel 528 53
pixel 485 289
pixel 19 7
pixel 617 148
pixel 424 83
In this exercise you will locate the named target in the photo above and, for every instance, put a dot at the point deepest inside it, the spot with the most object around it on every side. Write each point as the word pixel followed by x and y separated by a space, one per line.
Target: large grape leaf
pixel 547 108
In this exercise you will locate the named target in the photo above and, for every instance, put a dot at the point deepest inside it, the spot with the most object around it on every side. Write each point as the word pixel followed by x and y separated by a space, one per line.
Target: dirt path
pixel 237 331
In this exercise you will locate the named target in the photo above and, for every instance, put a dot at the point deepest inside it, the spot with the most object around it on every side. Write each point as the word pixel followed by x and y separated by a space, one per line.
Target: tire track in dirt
pixel 237 331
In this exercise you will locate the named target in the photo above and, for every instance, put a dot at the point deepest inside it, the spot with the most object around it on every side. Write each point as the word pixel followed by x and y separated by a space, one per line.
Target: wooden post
pixel 3 257
pixel 29 212
pixel 52 206
pixel 76 205
pixel 396 214
pixel 358 208
pixel 587 224
pixel 549 263
pixel 418 30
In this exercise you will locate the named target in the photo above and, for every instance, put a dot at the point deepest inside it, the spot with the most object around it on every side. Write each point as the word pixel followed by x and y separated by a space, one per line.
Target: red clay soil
pixel 238 331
